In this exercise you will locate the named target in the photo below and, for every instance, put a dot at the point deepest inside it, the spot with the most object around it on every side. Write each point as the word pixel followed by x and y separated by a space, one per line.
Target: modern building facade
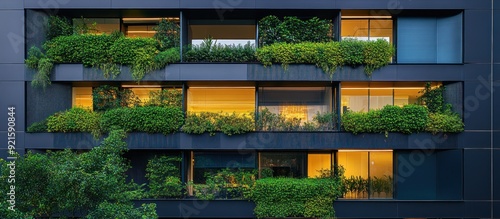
pixel 449 42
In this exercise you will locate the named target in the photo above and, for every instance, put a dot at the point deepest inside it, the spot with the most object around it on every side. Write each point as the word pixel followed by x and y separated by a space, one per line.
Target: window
pixel 430 39
pixel 364 96
pixel 212 162
pixel 98 25
pixel 143 27
pixel 366 27
pixel 143 92
pixel 317 163
pixel 229 100
pixel 296 102
pixel 282 164
pixel 369 174
pixel 227 32
pixel 82 97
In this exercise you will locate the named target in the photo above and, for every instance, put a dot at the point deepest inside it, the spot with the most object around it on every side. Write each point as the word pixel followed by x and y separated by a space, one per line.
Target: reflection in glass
pixel 282 164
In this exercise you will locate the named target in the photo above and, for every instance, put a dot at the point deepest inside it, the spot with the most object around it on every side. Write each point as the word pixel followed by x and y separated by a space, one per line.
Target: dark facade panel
pixel 11 72
pixel 478 4
pixel 12 42
pixel 496 33
pixel 145 4
pixel 477 209
pixel 430 209
pixel 41 103
pixel 496 175
pixel 415 175
pixel 477 36
pixel 11 4
pixel 221 6
pixel 4 153
pixel 202 209
pixel 449 175
pixel 68 72
pixel 55 5
pixel 474 139
pixel 477 72
pixel 396 5
pixel 430 72
pixel 36 28
pixel 12 95
pixel 477 174
pixel 477 106
pixel 297 4
pixel 371 209
pixel 213 72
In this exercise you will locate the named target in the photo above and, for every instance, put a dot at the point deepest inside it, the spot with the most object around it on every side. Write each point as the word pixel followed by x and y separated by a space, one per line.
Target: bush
pixel 329 55
pixel 167 57
pixel 288 197
pixel 152 119
pixel 139 53
pixel 89 49
pixel 433 98
pixel 165 98
pixel 74 120
pixel 168 34
pixel 164 177
pixel 293 30
pixel 107 97
pixel 226 184
pixel 58 26
pixel 229 124
pixel 38 126
pixel 407 119
pixel 268 121
pixel 210 51
pixel 445 123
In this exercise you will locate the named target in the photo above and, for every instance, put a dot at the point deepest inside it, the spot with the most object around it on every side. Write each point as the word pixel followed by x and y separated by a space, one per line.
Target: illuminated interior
pixel 143 27
pixel 229 100
pixel 364 96
pixel 82 97
pixel 318 162
pixel 143 92
pixel 296 102
pixel 225 34
pixel 366 28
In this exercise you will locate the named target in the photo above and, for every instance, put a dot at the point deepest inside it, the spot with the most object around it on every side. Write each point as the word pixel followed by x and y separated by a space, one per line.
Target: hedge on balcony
pixel 407 119
pixel 74 120
pixel 329 55
pixel 288 197
pixel 210 51
pixel 229 124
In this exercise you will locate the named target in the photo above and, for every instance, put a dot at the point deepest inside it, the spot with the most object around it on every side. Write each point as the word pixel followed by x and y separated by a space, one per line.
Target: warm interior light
pixel 355 150
pixel 360 17
pixel 149 19
pixel 140 86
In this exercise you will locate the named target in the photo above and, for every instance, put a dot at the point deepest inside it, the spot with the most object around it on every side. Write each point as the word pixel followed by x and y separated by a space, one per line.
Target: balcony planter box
pixel 194 208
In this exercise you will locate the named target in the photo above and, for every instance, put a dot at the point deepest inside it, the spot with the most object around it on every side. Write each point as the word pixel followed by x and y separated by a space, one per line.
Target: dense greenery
pixel 165 98
pixel 210 51
pixel 268 121
pixel 74 120
pixel 164 178
pixel 58 26
pixel 168 33
pixel 76 184
pixel 329 55
pixel 38 126
pixel 225 184
pixel 407 119
pixel 288 197
pixel 107 97
pixel 433 98
pixel 229 124
pixel 152 119
pixel 294 30
pixel 448 122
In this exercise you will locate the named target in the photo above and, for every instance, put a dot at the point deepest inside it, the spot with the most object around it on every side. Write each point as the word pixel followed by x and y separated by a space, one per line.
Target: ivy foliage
pixel 96 179
pixel 58 26
pixel 229 124
pixel 289 197
pixel 74 120
pixel 329 56
pixel 165 98
pixel 108 97
pixel 294 30
pixel 164 177
pixel 168 34
pixel 225 184
pixel 210 51
pixel 433 98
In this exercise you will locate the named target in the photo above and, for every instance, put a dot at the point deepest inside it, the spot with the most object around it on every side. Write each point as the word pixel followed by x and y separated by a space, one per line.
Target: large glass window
pixel 367 27
pixel 364 96
pixel 282 164
pixel 203 99
pixel 296 102
pixel 82 97
pixel 212 162
pixel 143 93
pixel 317 163
pixel 430 39
pixel 368 174
pixel 143 27
pixel 227 32
pixel 97 25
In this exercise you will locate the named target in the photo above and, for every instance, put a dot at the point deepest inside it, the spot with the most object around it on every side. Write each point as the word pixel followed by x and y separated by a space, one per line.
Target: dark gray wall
pixel 42 103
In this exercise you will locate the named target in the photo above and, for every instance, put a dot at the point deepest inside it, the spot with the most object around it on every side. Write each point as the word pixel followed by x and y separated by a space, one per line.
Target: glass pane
pixel 227 34
pixel 404 96
pixel 239 100
pixel 381 29
pixel 212 162
pixel 354 99
pixel 298 102
pixel 379 97
pixel 282 164
pixel 355 29
pixel 98 25
pixel 381 174
pixel 82 97
pixel 355 164
pixel 417 40
pixel 141 30
pixel 317 163
pixel 143 93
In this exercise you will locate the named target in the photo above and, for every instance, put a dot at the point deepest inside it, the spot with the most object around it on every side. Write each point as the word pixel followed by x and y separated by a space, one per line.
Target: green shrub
pixel 74 120
pixel 139 53
pixel 164 177
pixel 108 97
pixel 168 34
pixel 329 55
pixel 167 57
pixel 58 26
pixel 226 184
pixel 289 197
pixel 229 124
pixel 152 119
pixel 38 126
pixel 407 119
pixel 293 30
pixel 165 98
pixel 444 123
pixel 268 121
pixel 210 51
pixel 42 76
pixel 34 56
pixel 433 98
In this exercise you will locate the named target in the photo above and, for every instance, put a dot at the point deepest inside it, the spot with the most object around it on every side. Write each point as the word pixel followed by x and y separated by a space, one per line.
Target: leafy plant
pixel 226 184
pixel 165 98
pixel 433 98
pixel 74 120
pixel 447 122
pixel 108 97
pixel 38 126
pixel 329 55
pixel 168 56
pixel 58 26
pixel 229 124
pixel 294 30
pixel 164 177
pixel 168 34
pixel 268 121
pixel 210 51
